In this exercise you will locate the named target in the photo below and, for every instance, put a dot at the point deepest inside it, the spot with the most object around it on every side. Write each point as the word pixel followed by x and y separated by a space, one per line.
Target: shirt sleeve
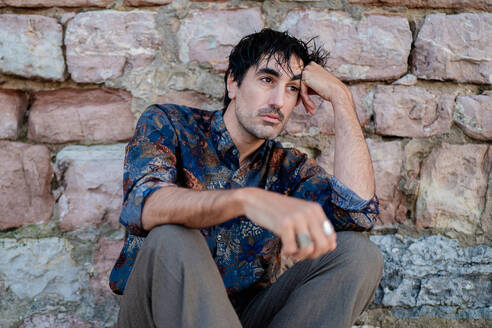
pixel 150 164
pixel 343 207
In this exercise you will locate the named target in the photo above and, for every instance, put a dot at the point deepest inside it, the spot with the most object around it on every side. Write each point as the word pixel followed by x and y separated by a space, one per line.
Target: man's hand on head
pixel 289 218
pixel 318 81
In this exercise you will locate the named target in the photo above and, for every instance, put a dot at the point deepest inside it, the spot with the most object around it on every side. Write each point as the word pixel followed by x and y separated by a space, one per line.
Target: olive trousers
pixel 175 283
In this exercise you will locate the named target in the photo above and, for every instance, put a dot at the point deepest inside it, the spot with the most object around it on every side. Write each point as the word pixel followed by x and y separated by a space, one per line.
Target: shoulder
pixel 295 160
pixel 289 154
pixel 175 115
pixel 182 115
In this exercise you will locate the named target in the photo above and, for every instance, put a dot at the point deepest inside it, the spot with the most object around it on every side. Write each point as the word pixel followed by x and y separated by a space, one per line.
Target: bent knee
pixel 362 252
pixel 174 237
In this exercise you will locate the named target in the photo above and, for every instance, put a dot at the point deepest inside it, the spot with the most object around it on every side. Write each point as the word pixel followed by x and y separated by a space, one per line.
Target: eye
pixel 266 79
pixel 293 88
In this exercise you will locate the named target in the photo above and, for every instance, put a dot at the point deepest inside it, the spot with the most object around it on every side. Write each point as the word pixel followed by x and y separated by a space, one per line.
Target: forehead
pixel 293 67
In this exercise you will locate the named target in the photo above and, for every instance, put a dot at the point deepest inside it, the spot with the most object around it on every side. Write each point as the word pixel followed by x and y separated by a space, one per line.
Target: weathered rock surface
pixel 303 123
pixel 14 105
pixel 105 255
pixel 363 98
pixel 55 3
pixel 415 151
pixel 25 183
pixel 486 221
pixel 31 267
pixel 323 121
pixel 102 44
pixel 202 41
pixel 387 161
pixel 407 80
pixel 81 115
pixel 434 276
pixel 326 158
pixel 474 115
pixel 466 4
pixel 55 320
pixel 185 98
pixel 375 48
pixel 30 46
pixel 92 185
pixel 452 187
pixel 137 3
pixel 412 111
pixel 454 47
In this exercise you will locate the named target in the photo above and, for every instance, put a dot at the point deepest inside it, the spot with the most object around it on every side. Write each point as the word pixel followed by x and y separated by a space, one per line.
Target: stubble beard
pixel 265 132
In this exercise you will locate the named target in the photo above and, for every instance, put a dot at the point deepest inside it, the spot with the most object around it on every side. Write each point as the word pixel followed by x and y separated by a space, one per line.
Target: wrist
pixel 242 199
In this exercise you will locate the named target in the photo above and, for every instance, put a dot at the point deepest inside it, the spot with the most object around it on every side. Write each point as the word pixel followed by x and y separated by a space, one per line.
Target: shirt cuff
pixel 131 213
pixel 345 198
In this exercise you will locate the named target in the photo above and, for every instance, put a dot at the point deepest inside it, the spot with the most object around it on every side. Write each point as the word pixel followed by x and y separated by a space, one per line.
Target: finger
pixel 306 100
pixel 289 244
pixel 322 242
pixel 329 231
pixel 332 241
pixel 306 251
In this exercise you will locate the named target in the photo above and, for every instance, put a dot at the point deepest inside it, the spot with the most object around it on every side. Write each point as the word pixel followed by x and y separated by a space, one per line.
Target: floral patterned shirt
pixel 188 147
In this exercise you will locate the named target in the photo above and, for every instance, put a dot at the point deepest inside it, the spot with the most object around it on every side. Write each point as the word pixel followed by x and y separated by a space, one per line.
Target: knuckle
pixel 285 225
pixel 324 244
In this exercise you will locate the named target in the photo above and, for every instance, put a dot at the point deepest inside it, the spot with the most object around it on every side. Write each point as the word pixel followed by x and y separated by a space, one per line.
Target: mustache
pixel 271 110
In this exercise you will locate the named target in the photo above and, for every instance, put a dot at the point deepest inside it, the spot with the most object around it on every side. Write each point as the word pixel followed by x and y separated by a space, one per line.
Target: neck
pixel 244 141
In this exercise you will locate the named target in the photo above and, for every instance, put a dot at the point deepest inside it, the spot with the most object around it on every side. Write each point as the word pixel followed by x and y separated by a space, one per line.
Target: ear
pixel 231 87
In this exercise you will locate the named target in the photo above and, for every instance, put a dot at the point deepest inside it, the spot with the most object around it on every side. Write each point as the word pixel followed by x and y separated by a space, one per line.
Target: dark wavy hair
pixel 269 44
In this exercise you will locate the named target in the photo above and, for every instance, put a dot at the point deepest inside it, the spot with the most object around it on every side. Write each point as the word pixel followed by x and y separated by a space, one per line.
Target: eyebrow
pixel 273 72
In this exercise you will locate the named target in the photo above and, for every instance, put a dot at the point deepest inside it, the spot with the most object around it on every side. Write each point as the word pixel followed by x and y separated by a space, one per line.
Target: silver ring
pixel 303 240
pixel 327 228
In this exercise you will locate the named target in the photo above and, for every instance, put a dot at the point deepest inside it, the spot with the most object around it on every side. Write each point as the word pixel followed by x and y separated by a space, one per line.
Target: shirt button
pixel 234 152
pixel 219 237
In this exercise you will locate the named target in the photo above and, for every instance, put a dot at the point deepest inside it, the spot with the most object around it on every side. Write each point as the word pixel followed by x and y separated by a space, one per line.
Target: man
pixel 221 206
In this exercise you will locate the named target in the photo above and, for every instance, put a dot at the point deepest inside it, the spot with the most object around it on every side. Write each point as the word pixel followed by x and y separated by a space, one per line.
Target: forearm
pixel 353 166
pixel 195 209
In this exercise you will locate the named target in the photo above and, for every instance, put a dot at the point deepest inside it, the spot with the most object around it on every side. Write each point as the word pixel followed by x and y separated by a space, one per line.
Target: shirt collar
pixel 220 136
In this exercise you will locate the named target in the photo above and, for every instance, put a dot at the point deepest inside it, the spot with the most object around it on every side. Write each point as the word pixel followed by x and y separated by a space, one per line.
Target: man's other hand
pixel 318 81
pixel 288 218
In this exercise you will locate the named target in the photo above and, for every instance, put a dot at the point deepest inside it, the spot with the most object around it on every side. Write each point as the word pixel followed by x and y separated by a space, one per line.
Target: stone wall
pixel 75 76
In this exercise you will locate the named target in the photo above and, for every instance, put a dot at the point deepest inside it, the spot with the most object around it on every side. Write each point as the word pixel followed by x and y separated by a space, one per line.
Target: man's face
pixel 266 98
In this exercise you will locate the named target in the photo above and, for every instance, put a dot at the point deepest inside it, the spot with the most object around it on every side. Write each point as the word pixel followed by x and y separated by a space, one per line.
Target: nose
pixel 277 97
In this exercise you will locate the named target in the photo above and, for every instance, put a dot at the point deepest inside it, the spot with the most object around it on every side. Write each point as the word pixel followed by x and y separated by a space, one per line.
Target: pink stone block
pixel 462 4
pixel 91 180
pixel 57 3
pixel 137 3
pixel 452 189
pixel 101 45
pixel 25 184
pixel 201 40
pixel 473 114
pixel 387 161
pixel 81 115
pixel 454 47
pixel 412 111
pixel 105 255
pixel 374 48
pixel 31 47
pixel 13 105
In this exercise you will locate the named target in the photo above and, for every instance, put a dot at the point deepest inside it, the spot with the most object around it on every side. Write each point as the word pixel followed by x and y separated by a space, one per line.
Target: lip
pixel 270 118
